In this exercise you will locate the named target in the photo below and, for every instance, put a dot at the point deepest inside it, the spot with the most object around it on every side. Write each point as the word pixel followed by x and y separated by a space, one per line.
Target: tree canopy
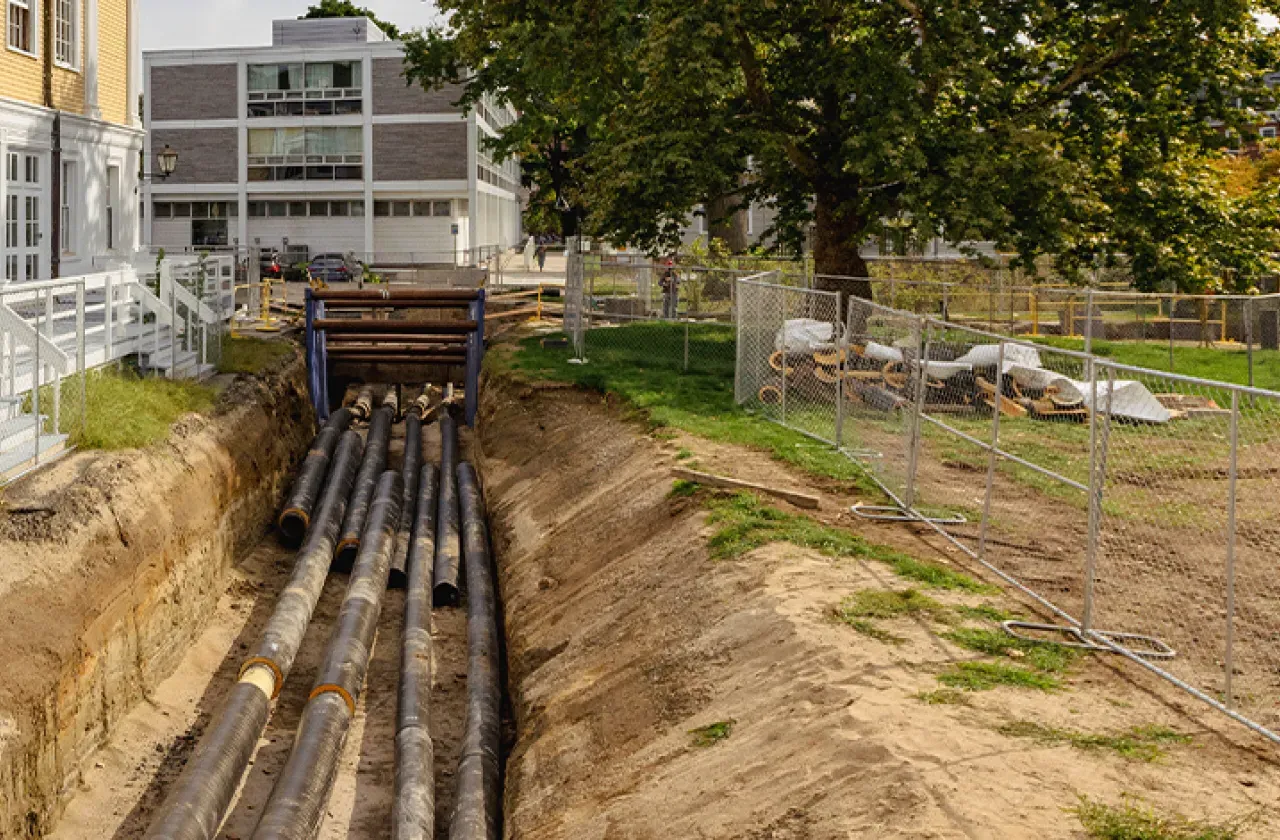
pixel 1086 130
pixel 345 8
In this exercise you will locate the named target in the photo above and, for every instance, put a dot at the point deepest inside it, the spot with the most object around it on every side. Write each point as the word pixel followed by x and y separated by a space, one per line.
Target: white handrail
pixel 28 335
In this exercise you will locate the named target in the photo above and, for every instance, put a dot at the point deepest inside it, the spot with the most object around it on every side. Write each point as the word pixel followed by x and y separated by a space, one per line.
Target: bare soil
pixel 624 636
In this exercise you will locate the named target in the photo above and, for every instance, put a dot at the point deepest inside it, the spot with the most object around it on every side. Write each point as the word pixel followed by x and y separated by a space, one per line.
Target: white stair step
pixel 22 460
pixel 18 432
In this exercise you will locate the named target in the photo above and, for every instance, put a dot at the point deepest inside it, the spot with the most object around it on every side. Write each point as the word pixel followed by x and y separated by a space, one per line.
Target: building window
pixel 11 222
pixel 209 233
pixel 315 154
pixel 66 32
pixel 113 189
pixel 66 219
pixel 401 209
pixel 32 169
pixel 12 167
pixel 22 23
pixel 318 89
pixel 382 209
pixel 440 209
pixel 1269 132
pixel 162 210
pixel 33 221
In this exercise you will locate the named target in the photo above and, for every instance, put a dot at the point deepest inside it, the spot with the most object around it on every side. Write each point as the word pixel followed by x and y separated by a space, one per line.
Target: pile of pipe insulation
pixel 422 527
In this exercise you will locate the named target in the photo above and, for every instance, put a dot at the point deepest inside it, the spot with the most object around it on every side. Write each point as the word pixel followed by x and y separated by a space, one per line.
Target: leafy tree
pixel 1078 130
pixel 345 8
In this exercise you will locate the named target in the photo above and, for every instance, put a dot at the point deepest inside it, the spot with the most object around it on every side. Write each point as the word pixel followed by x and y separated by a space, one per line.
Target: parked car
pixel 269 262
pixel 329 268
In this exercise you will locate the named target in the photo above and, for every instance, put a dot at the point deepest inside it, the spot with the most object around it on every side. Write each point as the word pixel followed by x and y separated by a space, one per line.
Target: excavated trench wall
pixel 114 564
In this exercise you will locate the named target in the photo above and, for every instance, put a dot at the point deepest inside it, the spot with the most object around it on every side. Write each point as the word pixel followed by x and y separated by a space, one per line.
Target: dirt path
pixel 118 797
pixel 624 636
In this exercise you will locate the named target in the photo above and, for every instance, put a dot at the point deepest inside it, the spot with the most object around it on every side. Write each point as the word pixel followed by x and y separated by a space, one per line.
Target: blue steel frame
pixel 316 345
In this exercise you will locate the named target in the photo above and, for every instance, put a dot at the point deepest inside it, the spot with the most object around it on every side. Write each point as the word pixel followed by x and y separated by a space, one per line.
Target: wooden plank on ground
pixel 800 500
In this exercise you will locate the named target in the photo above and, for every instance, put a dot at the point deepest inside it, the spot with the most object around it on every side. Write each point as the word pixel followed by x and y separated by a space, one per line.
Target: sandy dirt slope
pixel 623 636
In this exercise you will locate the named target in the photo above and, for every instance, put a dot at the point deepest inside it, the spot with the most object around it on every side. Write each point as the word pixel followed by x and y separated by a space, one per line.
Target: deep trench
pixel 154 744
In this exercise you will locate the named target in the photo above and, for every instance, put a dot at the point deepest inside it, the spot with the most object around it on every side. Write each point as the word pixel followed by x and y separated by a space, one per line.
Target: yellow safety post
pixel 539 301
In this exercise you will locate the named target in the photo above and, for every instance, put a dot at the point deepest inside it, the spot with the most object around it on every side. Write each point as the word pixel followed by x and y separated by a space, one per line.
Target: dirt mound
pixel 659 693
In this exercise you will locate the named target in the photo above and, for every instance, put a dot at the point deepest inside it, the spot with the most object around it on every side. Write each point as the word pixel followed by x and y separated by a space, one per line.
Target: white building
pixel 69 137
pixel 319 140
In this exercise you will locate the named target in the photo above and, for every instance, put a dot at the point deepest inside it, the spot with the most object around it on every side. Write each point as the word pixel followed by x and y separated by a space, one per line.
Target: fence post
pixel 35 390
pixel 108 316
pixel 1229 658
pixel 1034 298
pixel 1098 451
pixel 57 379
pixel 1173 305
pixel 840 335
pixel 946 301
pixel 686 346
pixel 991 455
pixel 1248 335
pixel 81 357
pixel 924 339
pixel 786 338
pixel 1088 323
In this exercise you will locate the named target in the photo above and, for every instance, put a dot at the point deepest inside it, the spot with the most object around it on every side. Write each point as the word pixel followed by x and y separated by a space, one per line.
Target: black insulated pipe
pixel 409 470
pixel 477 811
pixel 375 461
pixel 295 519
pixel 413 815
pixel 301 793
pixel 448 560
pixel 197 802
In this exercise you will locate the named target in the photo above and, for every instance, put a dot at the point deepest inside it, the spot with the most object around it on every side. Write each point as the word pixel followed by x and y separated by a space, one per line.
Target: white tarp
pixel 882 352
pixel 804 335
pixel 1132 399
pixel 986 355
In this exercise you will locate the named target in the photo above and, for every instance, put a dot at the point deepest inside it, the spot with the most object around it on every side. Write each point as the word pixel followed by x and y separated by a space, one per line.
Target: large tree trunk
pixel 836 249
pixel 726 225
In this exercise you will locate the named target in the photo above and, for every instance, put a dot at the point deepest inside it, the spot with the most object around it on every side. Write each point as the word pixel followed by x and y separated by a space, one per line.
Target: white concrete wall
pixel 321 235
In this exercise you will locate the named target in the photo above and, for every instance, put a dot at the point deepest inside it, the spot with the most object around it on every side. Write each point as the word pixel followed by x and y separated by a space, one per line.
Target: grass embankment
pixel 125 411
pixel 643 364
pixel 1203 362
pixel 250 355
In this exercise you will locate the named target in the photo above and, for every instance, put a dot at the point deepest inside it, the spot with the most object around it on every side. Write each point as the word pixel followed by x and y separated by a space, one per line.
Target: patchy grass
pixel 125 411
pixel 986 612
pixel 250 355
pixel 684 455
pixel 984 676
pixel 859 610
pixel 1045 657
pixel 944 697
pixel 1140 743
pixel 1133 821
pixel 682 489
pixel 744 523
pixel 643 364
pixel 1204 362
pixel 712 734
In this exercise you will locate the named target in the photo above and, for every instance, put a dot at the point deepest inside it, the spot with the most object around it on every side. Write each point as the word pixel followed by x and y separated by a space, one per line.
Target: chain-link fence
pixel 1135 506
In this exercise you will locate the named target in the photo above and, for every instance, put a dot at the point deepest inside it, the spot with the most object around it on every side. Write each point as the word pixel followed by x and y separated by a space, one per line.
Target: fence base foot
pixel 1150 648
pixel 893 513
pixel 578 361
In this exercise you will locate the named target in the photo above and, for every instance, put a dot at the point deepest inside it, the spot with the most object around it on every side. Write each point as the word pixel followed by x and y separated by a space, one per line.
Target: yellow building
pixel 70 136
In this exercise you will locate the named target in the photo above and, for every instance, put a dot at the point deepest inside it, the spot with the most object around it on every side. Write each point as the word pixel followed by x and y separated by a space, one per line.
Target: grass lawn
pixel 247 354
pixel 1204 362
pixel 125 411
pixel 643 364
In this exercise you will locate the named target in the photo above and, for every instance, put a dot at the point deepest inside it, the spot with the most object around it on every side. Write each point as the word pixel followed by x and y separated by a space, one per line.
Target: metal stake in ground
pixel 477 813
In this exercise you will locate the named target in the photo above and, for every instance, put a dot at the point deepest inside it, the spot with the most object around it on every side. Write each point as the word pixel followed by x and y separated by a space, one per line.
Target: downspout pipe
pixel 301 793
pixel 448 560
pixel 295 519
pixel 414 809
pixel 375 461
pixel 477 812
pixel 409 470
pixel 198 801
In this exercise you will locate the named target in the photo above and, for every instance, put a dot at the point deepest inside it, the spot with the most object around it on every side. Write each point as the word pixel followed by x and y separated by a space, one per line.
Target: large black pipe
pixel 198 801
pixel 448 560
pixel 413 814
pixel 375 461
pixel 301 793
pixel 295 519
pixel 409 469
pixel 477 810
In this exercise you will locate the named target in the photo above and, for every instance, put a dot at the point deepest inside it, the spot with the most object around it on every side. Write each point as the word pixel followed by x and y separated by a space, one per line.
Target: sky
pixel 177 24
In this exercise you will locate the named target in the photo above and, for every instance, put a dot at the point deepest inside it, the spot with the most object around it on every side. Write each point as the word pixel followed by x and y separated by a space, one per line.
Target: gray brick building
pixel 318 140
